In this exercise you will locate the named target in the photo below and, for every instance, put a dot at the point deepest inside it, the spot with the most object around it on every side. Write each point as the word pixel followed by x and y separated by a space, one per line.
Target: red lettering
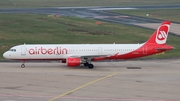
pixel 50 51
pixel 60 50
pixel 55 50
pixel 39 50
pixel 64 51
pixel 31 51
pixel 36 50
pixel 43 51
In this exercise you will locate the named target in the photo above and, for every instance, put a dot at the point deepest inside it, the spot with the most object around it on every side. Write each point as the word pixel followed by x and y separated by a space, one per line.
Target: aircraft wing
pixel 94 57
pixel 90 56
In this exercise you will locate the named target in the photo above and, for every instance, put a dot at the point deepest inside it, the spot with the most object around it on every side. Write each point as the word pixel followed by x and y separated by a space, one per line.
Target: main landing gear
pixel 89 65
pixel 23 64
pixel 87 62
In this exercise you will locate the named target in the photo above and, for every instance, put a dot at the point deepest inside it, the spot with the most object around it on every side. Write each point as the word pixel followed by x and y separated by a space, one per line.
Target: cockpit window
pixel 12 50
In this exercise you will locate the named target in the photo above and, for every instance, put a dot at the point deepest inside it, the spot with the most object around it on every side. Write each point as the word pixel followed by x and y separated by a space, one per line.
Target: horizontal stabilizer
pixel 164 49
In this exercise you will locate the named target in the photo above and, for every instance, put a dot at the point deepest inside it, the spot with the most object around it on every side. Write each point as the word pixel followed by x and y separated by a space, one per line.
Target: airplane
pixel 77 54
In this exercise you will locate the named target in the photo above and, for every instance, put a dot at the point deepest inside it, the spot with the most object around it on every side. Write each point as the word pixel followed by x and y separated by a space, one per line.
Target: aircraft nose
pixel 6 55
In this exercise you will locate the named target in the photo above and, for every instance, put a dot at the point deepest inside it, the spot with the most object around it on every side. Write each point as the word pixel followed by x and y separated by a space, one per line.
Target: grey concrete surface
pixel 157 80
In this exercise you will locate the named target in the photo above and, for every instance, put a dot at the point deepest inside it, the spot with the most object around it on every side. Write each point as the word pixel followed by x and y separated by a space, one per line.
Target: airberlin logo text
pixel 48 51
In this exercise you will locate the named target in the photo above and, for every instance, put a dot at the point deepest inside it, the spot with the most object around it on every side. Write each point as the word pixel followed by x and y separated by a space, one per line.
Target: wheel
pixel 86 64
pixel 23 65
pixel 90 66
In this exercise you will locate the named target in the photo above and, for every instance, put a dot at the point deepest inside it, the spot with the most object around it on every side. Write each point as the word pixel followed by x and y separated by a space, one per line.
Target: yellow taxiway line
pixel 83 86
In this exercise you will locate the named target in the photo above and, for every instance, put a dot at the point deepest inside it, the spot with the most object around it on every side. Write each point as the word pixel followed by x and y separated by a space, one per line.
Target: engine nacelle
pixel 72 62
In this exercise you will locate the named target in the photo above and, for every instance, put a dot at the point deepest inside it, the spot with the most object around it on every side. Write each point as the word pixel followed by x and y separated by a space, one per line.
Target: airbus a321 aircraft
pixel 77 54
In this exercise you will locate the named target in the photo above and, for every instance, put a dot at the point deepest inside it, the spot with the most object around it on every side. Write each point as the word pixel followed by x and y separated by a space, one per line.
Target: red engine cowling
pixel 72 62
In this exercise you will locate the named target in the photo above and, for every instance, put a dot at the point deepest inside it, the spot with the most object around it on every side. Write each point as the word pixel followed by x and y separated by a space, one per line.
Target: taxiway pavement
pixel 157 80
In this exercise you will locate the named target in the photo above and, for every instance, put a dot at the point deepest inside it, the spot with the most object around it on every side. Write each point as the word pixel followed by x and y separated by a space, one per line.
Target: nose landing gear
pixel 23 64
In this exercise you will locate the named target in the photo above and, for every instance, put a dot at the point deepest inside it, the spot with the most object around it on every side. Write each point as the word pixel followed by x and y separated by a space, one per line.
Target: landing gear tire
pixel 86 64
pixel 23 65
pixel 90 66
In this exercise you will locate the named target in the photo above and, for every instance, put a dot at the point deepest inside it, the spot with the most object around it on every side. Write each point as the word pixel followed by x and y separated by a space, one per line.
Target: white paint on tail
pixel 162 33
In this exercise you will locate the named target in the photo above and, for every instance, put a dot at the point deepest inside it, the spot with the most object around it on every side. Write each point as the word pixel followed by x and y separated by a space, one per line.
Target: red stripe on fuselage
pixel 145 50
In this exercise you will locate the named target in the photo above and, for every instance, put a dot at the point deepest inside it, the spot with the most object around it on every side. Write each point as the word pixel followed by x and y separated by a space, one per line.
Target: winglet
pixel 161 34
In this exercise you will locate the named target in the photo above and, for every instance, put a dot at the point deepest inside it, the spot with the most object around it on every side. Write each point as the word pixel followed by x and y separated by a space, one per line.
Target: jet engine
pixel 72 62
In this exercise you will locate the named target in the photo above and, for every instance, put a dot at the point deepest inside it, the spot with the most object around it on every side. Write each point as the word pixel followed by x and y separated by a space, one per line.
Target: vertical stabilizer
pixel 161 34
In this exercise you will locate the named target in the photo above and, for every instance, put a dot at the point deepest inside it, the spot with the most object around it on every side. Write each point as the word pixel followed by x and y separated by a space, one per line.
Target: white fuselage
pixel 62 51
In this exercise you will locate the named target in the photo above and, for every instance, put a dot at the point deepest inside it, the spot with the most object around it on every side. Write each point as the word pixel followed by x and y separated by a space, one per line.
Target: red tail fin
pixel 161 34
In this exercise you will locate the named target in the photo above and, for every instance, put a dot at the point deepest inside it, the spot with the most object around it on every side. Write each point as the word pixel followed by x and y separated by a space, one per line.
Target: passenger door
pixel 23 50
